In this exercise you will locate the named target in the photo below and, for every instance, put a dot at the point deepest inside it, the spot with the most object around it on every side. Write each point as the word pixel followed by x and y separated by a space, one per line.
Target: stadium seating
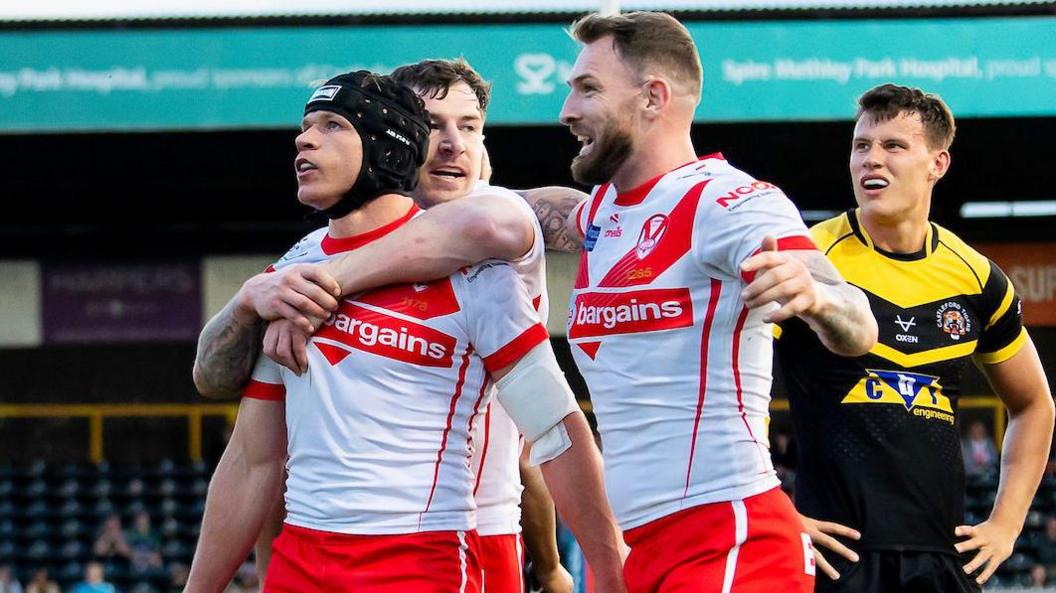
pixel 50 516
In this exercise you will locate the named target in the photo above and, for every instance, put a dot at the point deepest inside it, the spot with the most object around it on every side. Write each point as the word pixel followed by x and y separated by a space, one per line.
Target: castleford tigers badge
pixel 652 231
pixel 953 320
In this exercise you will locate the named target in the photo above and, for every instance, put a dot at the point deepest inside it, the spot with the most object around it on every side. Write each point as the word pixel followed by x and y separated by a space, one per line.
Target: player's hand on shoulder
pixel 297 293
pixel 781 277
pixel 993 543
pixel 822 534
pixel 286 343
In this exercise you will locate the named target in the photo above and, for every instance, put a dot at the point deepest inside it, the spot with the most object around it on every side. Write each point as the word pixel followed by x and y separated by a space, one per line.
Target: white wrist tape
pixel 549 446
pixel 535 393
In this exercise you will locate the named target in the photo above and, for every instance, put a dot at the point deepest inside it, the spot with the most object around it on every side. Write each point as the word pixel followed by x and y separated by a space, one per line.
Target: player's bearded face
pixel 329 155
pixel 600 159
pixel 601 110
pixel 893 168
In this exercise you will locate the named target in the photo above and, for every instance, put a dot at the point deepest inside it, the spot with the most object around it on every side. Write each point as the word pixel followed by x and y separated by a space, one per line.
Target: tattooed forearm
pixel 845 324
pixel 552 206
pixel 227 350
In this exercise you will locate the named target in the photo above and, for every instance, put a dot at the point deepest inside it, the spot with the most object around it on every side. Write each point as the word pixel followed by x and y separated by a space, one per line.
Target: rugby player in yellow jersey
pixel 881 478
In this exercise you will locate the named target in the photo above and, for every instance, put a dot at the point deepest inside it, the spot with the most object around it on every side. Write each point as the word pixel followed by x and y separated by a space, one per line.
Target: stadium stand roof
pixel 162 10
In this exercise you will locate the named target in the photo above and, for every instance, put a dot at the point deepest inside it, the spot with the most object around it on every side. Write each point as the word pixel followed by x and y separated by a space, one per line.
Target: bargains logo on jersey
pixel 921 395
pixel 384 335
pixel 594 314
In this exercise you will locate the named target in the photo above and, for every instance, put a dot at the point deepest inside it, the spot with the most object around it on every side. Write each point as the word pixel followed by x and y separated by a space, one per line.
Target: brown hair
pixel 647 40
pixel 888 101
pixel 435 77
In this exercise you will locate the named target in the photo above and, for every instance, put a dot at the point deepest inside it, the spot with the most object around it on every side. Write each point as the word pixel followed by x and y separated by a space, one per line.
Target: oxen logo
pixel 953 319
pixel 652 231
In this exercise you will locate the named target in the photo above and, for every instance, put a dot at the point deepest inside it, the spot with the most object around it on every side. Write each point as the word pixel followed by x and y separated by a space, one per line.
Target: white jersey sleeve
pixel 502 323
pixel 735 214
pixel 266 381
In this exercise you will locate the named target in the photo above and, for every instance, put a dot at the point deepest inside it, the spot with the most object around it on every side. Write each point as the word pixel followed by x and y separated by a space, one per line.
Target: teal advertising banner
pixel 754 71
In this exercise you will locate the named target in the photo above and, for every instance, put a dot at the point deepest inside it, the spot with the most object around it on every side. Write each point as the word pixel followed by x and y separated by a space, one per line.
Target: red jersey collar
pixel 635 196
pixel 332 245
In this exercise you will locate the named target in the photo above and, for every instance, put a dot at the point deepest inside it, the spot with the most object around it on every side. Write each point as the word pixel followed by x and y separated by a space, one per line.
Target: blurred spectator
pixel 1046 545
pixel 178 573
pixel 93 580
pixel 1038 576
pixel 41 583
pixel 8 582
pixel 980 454
pixel 144 543
pixel 111 543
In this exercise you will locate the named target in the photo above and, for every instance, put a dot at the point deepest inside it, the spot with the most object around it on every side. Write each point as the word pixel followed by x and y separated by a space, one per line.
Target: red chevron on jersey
pixel 421 301
pixel 385 335
pixel 603 313
pixel 663 240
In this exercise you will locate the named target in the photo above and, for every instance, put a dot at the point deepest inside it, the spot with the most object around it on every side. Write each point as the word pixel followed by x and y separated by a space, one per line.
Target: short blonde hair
pixel 647 40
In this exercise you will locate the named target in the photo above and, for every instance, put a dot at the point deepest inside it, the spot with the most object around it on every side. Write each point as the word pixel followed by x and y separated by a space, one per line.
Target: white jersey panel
pixel 678 369
pixel 379 427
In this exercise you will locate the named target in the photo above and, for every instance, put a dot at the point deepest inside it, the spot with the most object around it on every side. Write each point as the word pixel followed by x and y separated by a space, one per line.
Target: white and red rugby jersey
pixel 379 427
pixel 679 370
pixel 497 441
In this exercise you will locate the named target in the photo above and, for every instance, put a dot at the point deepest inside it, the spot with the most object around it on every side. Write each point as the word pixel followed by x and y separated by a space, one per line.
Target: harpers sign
pixel 1032 269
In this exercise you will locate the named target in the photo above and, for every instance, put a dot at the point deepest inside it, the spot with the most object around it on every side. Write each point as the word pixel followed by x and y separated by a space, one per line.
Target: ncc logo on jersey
pixel 921 395
pixel 653 230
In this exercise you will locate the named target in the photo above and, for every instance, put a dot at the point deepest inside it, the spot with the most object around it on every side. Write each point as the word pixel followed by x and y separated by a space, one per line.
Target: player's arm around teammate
pixel 229 344
pixel 805 284
pixel 246 484
pixel 1021 384
pixel 458 233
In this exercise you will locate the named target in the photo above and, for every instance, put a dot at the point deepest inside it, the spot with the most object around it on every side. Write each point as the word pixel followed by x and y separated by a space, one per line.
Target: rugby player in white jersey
pixel 683 260
pixel 456 98
pixel 379 495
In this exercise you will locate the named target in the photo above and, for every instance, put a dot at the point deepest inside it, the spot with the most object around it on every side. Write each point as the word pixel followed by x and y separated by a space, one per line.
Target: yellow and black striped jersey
pixel 879 448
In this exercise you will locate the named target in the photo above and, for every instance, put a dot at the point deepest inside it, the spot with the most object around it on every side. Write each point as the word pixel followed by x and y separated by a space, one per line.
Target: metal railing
pixel 97 414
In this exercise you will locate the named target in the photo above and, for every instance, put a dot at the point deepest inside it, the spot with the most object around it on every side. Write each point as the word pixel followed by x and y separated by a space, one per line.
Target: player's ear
pixel 657 93
pixel 940 164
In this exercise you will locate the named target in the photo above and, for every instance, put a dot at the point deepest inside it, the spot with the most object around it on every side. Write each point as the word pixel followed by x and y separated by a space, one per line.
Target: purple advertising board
pixel 121 302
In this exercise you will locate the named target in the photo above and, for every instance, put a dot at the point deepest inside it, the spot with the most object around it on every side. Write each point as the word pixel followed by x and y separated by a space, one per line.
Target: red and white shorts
pixel 501 561
pixel 309 561
pixel 755 545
